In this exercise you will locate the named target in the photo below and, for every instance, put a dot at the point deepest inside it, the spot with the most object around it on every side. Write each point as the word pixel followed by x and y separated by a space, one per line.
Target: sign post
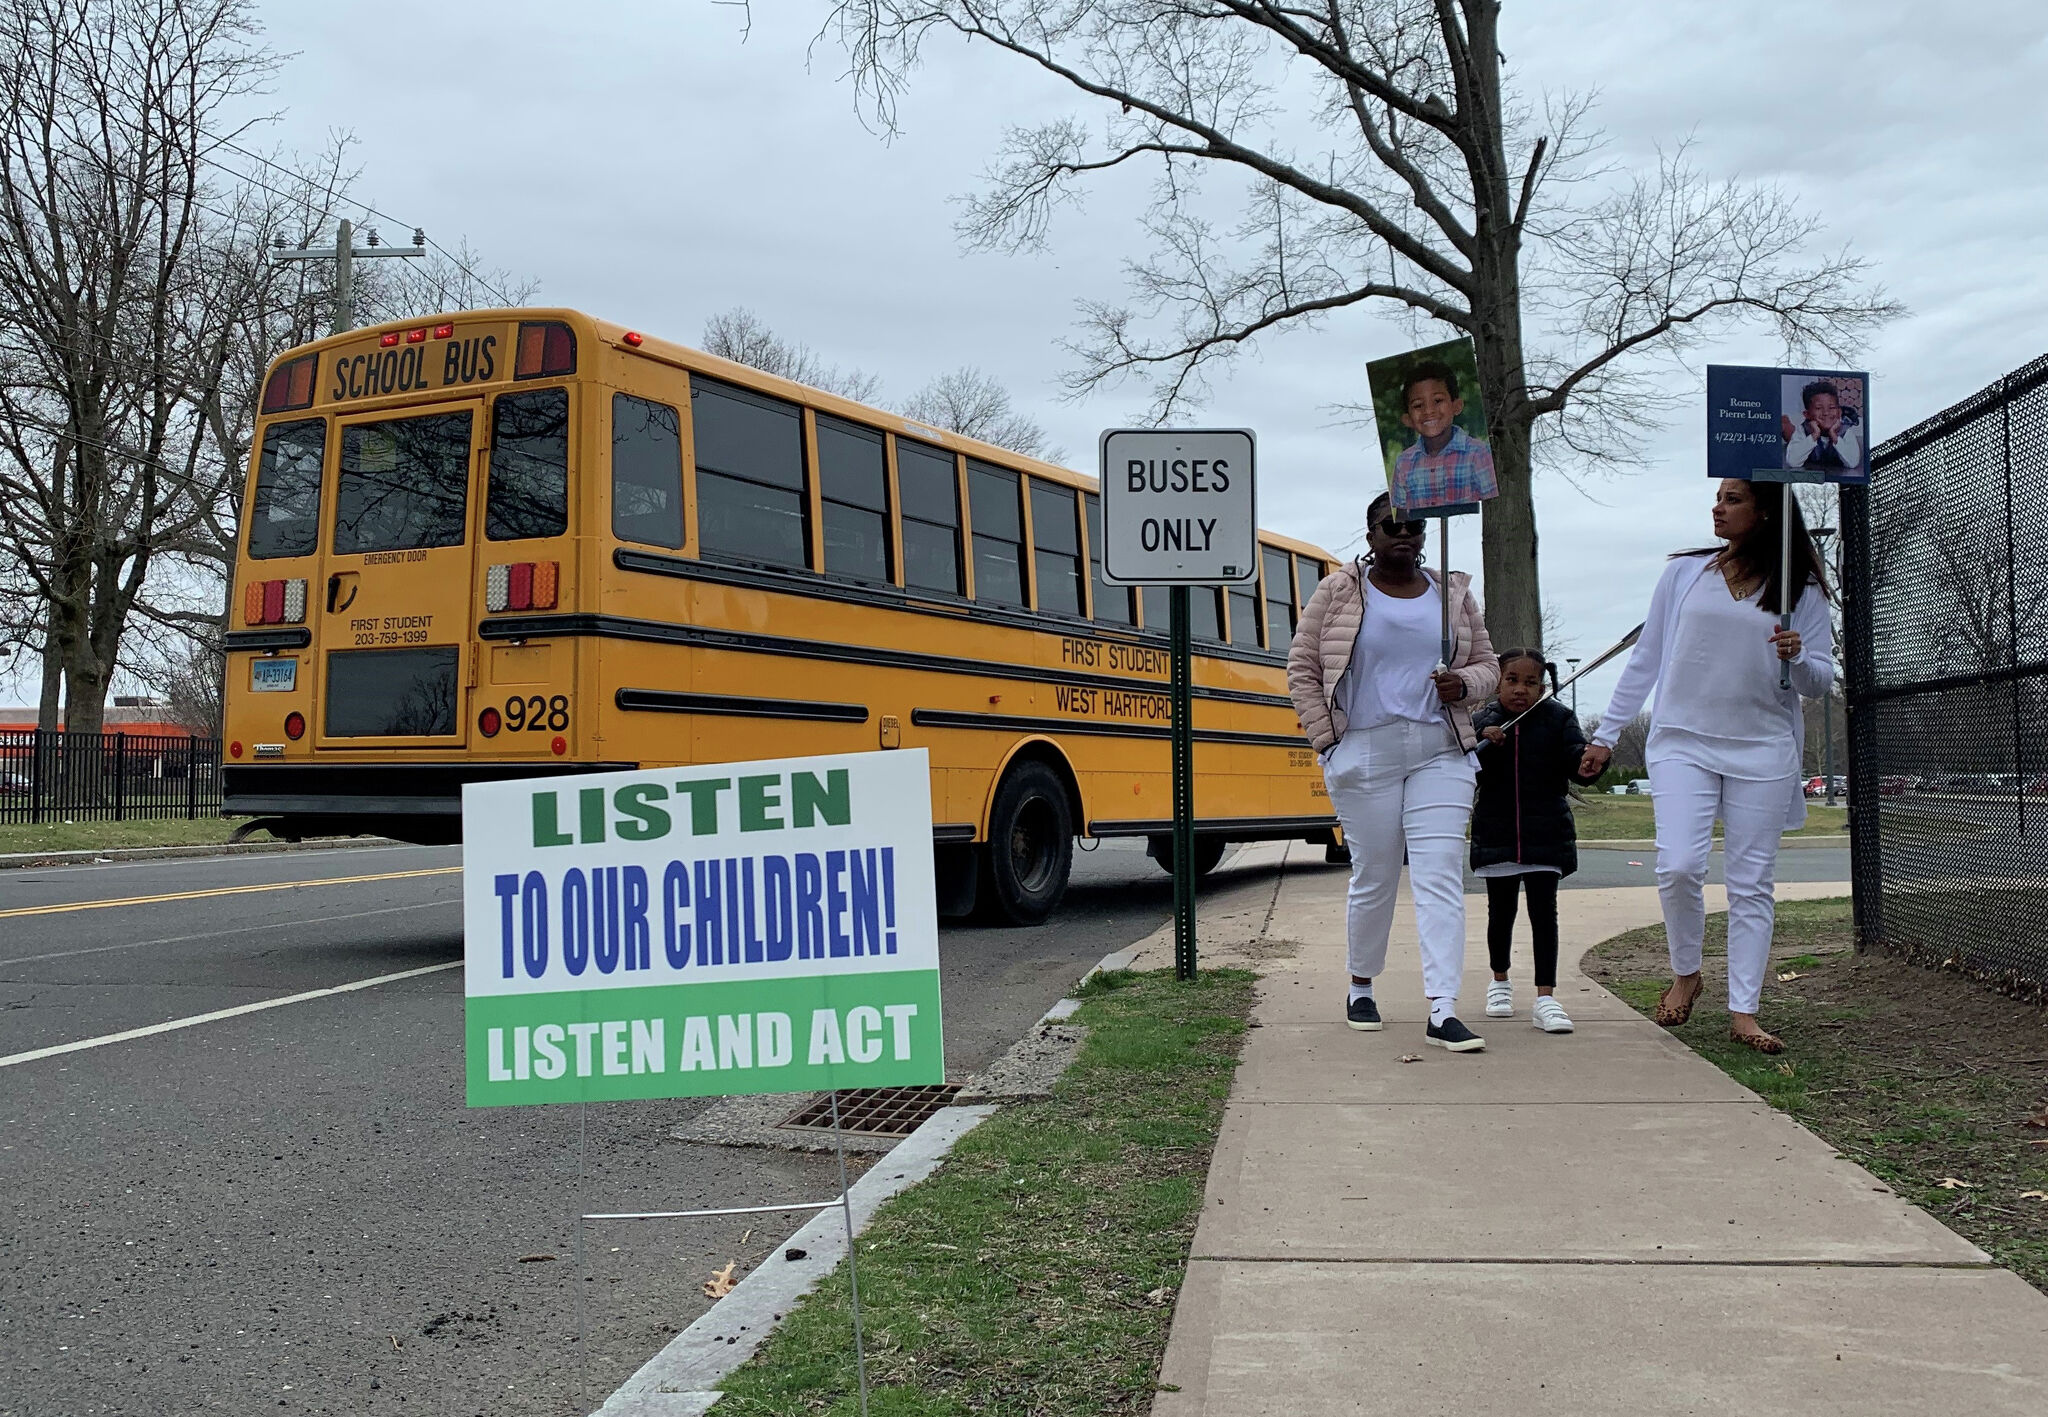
pixel 1179 509
pixel 701 932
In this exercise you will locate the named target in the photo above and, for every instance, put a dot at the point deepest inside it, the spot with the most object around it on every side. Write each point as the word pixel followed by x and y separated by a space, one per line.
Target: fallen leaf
pixel 1786 1070
pixel 2034 1195
pixel 720 1283
pixel 1161 1295
pixel 1950 1183
pixel 1411 1057
pixel 1788 977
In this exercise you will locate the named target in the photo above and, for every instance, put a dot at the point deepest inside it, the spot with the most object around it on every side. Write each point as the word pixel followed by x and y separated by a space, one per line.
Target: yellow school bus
pixel 511 543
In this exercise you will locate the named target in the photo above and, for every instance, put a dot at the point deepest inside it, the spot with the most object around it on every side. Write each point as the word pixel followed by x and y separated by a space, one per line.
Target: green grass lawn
pixel 1921 1076
pixel 108 836
pixel 1605 817
pixel 1036 1272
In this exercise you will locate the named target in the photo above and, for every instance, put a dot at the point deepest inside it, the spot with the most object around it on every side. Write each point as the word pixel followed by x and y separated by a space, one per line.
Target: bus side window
pixel 752 502
pixel 1244 615
pixel 1055 548
pixel 931 517
pixel 1308 573
pixel 995 502
pixel 1280 617
pixel 1158 602
pixel 285 520
pixel 853 488
pixel 529 491
pixel 1112 602
pixel 1205 612
pixel 647 472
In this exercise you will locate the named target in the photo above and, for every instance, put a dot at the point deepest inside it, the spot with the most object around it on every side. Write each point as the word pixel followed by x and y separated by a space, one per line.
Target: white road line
pixel 220 934
pixel 12 1059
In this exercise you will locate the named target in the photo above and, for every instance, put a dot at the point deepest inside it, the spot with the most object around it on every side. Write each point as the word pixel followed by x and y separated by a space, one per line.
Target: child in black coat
pixel 1523 840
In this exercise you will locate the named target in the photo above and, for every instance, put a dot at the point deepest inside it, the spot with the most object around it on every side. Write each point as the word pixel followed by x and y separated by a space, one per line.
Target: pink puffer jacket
pixel 1322 647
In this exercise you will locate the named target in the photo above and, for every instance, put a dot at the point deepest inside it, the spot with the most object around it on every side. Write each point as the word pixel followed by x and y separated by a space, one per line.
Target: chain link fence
pixel 106 777
pixel 1946 621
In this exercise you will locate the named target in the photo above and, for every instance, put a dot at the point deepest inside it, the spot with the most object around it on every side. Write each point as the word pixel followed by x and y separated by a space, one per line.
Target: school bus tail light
pixel 489 722
pixel 295 726
pixel 275 602
pixel 290 385
pixel 521 585
pixel 546 348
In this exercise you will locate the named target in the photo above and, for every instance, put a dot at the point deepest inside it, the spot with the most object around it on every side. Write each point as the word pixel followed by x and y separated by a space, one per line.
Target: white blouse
pixel 1399 646
pixel 1734 720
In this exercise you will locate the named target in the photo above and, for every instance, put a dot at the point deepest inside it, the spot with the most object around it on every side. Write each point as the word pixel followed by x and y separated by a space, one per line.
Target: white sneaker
pixel 1500 999
pixel 1549 1015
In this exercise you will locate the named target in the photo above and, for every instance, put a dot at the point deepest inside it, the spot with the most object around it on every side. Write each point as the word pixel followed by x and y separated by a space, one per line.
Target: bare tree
pixel 102 144
pixel 975 405
pixel 739 335
pixel 1381 160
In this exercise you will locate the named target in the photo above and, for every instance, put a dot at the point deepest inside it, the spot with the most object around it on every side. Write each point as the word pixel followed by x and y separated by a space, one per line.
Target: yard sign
pixel 701 931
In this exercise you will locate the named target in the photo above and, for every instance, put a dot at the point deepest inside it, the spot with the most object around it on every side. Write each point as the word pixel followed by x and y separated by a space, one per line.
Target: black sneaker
pixel 1455 1036
pixel 1363 1014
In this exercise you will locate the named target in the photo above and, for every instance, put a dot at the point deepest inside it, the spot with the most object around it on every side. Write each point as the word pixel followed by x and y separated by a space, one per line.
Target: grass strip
pixel 1602 816
pixel 1036 1272
pixel 1920 1076
pixel 112 836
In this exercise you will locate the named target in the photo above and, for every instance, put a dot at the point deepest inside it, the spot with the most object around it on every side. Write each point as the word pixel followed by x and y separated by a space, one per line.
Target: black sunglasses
pixel 1413 527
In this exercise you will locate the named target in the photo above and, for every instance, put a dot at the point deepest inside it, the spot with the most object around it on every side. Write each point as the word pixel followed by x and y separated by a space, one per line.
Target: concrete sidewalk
pixel 1588 1224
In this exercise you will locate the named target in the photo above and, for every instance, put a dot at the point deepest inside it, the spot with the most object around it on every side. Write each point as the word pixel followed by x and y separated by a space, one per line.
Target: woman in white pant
pixel 1394 727
pixel 1724 738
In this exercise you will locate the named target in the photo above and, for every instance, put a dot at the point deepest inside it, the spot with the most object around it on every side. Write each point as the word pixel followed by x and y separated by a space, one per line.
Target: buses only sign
pixel 1178 507
pixel 701 931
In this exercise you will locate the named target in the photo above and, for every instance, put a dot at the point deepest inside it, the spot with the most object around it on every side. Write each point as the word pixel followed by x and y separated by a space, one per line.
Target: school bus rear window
pixel 404 484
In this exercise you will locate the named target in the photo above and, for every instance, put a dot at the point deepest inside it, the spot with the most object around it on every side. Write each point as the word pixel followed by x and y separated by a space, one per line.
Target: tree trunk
pixel 51 705
pixel 1514 601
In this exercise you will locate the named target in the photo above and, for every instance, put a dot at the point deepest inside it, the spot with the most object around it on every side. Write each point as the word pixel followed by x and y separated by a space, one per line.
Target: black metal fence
pixel 1946 563
pixel 106 777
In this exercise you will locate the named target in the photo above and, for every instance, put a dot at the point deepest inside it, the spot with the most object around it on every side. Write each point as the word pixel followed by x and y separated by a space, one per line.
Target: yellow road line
pixel 223 890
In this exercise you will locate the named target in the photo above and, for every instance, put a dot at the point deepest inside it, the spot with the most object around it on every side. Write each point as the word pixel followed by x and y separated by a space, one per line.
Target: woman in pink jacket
pixel 1393 726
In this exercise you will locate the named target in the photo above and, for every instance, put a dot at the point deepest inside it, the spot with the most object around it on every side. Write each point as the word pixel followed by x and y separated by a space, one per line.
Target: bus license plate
pixel 273 676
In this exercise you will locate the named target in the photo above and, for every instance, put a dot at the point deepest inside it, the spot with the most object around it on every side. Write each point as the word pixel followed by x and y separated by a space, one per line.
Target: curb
pixel 18 859
pixel 682 1379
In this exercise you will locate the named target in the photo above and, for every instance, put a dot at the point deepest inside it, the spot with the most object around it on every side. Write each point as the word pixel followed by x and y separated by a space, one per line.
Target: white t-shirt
pixel 1400 643
pixel 1718 703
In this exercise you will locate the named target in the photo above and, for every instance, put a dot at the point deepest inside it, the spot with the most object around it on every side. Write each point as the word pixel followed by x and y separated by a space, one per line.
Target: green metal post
pixel 1183 789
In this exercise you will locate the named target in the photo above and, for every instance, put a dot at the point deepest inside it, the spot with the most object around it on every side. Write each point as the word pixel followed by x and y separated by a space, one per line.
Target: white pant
pixel 1686 800
pixel 1405 784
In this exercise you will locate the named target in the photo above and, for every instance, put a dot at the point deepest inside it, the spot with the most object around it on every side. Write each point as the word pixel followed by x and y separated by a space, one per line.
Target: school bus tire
pixel 1030 848
pixel 1208 853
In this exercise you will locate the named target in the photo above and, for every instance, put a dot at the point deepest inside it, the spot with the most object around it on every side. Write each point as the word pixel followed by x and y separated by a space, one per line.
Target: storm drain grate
pixel 874 1111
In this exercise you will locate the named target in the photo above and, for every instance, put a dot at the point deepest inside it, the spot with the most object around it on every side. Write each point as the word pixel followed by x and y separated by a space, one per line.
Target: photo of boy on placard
pixel 1822 423
pixel 1432 429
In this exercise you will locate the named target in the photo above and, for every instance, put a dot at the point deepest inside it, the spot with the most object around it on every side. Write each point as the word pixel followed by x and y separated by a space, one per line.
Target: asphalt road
pixel 291 1209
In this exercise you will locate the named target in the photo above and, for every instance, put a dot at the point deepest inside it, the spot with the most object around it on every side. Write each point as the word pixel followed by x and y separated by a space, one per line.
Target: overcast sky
pixel 641 162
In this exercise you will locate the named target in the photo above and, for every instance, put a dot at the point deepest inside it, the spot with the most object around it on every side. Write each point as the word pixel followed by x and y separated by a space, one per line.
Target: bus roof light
pixel 446 331
pixel 387 339
pixel 418 336
pixel 546 347
pixel 290 385
pixel 633 338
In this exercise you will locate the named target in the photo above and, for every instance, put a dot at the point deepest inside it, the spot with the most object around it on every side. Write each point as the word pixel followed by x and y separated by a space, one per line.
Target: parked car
pixel 1818 786
pixel 1639 788
pixel 14 784
pixel 1620 789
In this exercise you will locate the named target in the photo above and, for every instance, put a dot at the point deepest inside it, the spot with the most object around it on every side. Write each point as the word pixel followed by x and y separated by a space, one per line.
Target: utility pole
pixel 344 255
pixel 1827 705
